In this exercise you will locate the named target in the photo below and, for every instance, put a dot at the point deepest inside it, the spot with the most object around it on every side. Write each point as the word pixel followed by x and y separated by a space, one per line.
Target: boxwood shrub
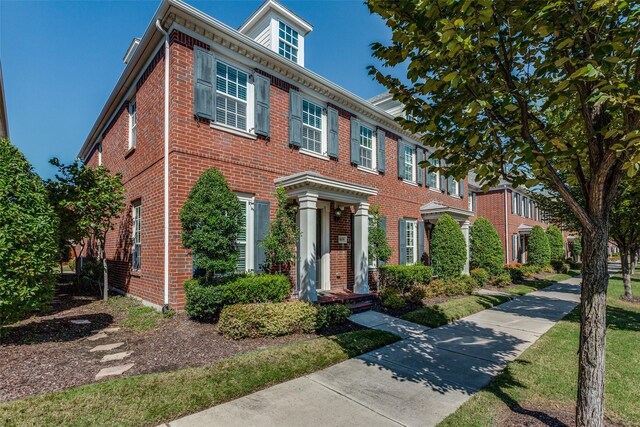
pixel 267 319
pixel 539 252
pixel 205 300
pixel 486 248
pixel 404 277
pixel 332 315
pixel 480 275
pixel 448 248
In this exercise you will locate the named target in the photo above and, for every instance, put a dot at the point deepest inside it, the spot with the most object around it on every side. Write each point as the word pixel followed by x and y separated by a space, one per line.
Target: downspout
pixel 506 224
pixel 165 307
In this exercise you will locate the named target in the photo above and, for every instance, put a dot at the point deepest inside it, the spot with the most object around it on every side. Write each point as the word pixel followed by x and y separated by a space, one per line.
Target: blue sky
pixel 61 59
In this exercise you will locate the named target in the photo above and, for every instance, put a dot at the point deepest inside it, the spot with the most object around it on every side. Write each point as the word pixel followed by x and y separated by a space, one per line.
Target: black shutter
pixel 262 89
pixel 261 219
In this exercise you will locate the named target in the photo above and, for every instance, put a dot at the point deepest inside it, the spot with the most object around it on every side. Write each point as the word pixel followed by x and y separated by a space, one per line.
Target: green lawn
pixel 448 311
pixel 534 285
pixel 152 399
pixel 546 374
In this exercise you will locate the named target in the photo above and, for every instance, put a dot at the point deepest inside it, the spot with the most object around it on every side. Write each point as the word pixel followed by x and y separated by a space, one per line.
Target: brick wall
pixel 249 165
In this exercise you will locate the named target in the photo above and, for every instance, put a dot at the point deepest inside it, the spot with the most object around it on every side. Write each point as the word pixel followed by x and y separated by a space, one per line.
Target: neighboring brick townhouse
pixel 197 94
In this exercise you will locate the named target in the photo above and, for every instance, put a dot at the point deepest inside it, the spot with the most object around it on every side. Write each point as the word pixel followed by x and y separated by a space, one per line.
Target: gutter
pixel 506 224
pixel 165 307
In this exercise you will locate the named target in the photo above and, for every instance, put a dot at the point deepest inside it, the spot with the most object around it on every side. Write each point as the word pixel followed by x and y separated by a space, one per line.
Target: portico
pixel 314 194
pixel 432 211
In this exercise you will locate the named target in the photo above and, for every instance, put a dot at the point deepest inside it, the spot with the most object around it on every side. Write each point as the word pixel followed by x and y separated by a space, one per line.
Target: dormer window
pixel 287 42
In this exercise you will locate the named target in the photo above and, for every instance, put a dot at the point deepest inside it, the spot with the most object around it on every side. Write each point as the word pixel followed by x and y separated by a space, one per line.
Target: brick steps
pixel 356 302
pixel 359 307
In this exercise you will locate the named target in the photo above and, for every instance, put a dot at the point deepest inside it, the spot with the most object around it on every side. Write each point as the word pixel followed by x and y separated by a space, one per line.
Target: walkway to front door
pixel 417 381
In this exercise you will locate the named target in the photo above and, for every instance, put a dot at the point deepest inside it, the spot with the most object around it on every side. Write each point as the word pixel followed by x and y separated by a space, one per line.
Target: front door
pixel 319 249
pixel 323 278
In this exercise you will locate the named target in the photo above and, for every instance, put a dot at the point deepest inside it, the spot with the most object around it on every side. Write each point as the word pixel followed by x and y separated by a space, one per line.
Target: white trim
pixel 249 202
pixel 324 263
pixel 367 170
pixel 286 13
pixel 313 154
pixel 250 102
pixel 374 146
pixel 235 131
pixel 414 243
pixel 323 124
pixel 133 104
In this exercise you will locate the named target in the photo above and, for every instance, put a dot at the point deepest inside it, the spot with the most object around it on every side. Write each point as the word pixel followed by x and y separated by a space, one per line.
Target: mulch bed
pixel 47 353
pixel 549 415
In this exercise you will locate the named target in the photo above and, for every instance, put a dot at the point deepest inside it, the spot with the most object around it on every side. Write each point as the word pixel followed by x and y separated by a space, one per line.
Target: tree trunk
pixel 625 259
pixel 593 305
pixel 105 272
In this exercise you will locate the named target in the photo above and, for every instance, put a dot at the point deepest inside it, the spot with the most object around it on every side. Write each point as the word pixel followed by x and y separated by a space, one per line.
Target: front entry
pixel 323 255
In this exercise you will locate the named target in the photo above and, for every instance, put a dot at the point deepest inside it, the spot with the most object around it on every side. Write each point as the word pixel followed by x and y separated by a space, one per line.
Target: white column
pixel 307 256
pixel 465 231
pixel 361 249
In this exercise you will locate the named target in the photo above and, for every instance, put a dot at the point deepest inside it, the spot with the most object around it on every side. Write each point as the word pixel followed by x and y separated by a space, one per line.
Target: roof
pixel 380 97
pixel 173 10
pixel 269 5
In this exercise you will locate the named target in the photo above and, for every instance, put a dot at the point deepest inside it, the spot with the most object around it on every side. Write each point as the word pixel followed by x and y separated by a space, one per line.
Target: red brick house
pixel 197 94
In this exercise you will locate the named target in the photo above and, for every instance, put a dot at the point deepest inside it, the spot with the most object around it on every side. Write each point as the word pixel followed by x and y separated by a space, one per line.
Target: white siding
pixel 262 33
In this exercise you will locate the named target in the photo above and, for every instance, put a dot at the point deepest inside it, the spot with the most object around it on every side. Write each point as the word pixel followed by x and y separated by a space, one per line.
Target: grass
pixel 138 317
pixel 545 376
pixel 535 285
pixel 156 398
pixel 448 311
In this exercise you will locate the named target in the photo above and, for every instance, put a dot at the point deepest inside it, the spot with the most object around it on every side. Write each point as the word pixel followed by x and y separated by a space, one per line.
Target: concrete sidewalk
pixel 417 381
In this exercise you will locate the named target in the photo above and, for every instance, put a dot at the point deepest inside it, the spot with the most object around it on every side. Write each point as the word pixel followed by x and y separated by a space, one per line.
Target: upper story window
pixel 231 96
pixel 367 148
pixel 472 201
pixel 136 212
pixel 133 123
pixel 312 138
pixel 287 42
pixel 409 173
pixel 454 187
pixel 433 179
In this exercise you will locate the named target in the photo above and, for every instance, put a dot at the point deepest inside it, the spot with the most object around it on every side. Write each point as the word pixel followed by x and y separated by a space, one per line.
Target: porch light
pixel 338 212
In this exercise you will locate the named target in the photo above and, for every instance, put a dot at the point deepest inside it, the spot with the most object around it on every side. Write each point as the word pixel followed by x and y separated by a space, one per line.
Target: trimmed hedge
pixel 448 248
pixel 276 319
pixel 560 266
pixel 404 277
pixel 204 301
pixel 556 242
pixel 486 247
pixel 392 298
pixel 480 275
pixel 539 252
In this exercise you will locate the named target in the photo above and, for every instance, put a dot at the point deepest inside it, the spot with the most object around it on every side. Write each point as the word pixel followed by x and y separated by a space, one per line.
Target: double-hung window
pixel 133 123
pixel 409 173
pixel 245 237
pixel 287 42
pixel 312 138
pixel 231 96
pixel 135 232
pixel 367 148
pixel 411 242
pixel 454 189
pixel 434 176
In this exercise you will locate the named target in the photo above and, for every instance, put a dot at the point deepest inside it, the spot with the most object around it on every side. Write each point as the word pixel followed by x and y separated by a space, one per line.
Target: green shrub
pixel 212 218
pixel 485 247
pixel 502 280
pixel 556 243
pixel 391 298
pixel 529 270
pixel 514 271
pixel 480 275
pixel 379 249
pixel 267 319
pixel 204 301
pixel 404 277
pixel 28 244
pixel 436 288
pixel 548 269
pixel 539 252
pixel 576 248
pixel 448 248
pixel 462 285
pixel 560 266
pixel 280 242
pixel 417 294
pixel 332 315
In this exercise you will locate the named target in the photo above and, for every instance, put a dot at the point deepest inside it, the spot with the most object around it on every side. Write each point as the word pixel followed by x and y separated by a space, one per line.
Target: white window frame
pixel 100 154
pixel 456 189
pixel 136 235
pixel 434 162
pixel 413 225
pixel 294 48
pixel 250 119
pixel 249 225
pixel 412 148
pixel 374 148
pixel 323 127
pixel 133 123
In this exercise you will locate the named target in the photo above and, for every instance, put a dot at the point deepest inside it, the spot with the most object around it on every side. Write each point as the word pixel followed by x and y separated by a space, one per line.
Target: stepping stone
pixel 80 322
pixel 106 347
pixel 116 356
pixel 97 336
pixel 114 370
pixel 110 330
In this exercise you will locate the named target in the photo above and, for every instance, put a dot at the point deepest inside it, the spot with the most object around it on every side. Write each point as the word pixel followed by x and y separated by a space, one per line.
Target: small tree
pixel 212 219
pixel 539 252
pixel 379 248
pixel 576 249
pixel 28 250
pixel 486 247
pixel 280 242
pixel 448 248
pixel 556 242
